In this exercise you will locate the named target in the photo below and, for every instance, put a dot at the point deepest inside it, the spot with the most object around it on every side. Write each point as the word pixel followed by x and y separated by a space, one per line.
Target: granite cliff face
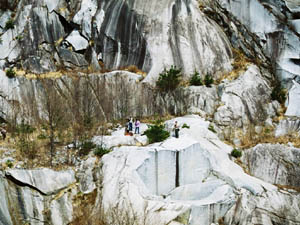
pixel 151 35
pixel 77 51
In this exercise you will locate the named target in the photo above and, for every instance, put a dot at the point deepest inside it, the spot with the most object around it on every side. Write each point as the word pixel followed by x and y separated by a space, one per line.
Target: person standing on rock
pixel 127 127
pixel 130 125
pixel 137 126
pixel 176 129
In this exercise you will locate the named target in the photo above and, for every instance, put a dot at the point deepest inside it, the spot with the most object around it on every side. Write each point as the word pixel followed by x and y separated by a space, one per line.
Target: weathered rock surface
pixel 293 101
pixel 186 180
pixel 21 201
pixel 192 181
pixel 272 22
pixel 44 180
pixel 244 99
pixel 283 164
pixel 287 126
pixel 152 36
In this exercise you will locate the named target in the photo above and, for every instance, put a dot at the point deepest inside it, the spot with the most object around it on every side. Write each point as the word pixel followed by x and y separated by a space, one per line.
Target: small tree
pixel 10 73
pixel 54 118
pixel 25 143
pixel 9 24
pixel 196 79
pixel 169 79
pixel 156 132
pixel 208 80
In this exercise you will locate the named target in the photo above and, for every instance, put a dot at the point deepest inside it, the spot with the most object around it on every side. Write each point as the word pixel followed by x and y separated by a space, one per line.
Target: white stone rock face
pixel 244 99
pixel 61 210
pixel 282 164
pixel 85 175
pixel 191 178
pixel 293 102
pixel 19 203
pixel 287 126
pixel 77 41
pixel 44 180
pixel 271 21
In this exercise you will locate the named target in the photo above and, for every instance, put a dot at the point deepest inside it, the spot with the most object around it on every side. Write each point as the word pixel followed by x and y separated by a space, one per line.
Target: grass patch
pixel 240 64
pixel 251 139
pixel 101 151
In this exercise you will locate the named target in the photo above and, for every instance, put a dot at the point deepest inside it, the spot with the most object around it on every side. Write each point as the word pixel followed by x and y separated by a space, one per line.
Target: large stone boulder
pixel 282 164
pixel 244 99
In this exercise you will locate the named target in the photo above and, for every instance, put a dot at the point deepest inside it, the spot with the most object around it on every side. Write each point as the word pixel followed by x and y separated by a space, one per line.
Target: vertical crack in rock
pixel 156 172
pixel 177 170
pixel 122 35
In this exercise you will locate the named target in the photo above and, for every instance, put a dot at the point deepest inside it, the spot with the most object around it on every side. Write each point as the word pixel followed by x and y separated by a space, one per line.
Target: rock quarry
pixel 96 63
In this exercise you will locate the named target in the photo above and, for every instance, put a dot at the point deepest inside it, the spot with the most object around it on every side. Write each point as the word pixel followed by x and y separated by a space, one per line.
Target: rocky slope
pixel 75 52
pixel 190 180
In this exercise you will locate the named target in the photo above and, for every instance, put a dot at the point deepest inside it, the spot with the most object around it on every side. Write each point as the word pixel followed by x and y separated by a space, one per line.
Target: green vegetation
pixel 25 143
pixel 156 132
pixel 185 126
pixel 278 93
pixel 100 151
pixel 196 79
pixel 86 147
pixel 10 73
pixel 208 80
pixel 9 24
pixel 169 79
pixel 9 164
pixel 212 129
pixel 236 153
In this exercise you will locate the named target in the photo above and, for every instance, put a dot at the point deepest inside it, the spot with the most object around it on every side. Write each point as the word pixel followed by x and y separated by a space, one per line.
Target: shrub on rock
pixel 236 153
pixel 9 24
pixel 86 147
pixel 169 79
pixel 101 151
pixel 156 132
pixel 196 79
pixel 208 80
pixel 10 73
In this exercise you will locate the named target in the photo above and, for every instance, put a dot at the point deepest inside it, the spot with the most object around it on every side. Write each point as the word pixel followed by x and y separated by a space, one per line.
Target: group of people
pixel 129 126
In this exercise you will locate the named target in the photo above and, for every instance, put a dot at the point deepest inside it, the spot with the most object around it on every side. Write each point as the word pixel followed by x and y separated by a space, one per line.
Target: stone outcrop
pixel 274 23
pixel 50 34
pixel 287 126
pixel 188 180
pixel 283 164
pixel 244 99
pixel 159 183
pixel 293 101
pixel 36 197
